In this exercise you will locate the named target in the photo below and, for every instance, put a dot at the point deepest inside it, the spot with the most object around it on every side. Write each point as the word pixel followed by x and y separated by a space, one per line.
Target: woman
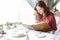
pixel 43 14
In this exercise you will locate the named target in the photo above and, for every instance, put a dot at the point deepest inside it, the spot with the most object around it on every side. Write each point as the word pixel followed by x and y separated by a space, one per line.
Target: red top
pixel 50 20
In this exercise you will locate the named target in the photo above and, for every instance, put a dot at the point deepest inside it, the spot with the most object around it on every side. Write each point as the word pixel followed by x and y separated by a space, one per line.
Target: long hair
pixel 43 5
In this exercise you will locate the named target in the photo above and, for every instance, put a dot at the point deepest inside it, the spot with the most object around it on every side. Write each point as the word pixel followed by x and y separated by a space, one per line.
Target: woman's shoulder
pixel 51 14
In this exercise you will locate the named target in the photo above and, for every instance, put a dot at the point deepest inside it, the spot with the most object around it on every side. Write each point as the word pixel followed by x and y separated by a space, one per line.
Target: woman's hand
pixel 52 32
pixel 27 26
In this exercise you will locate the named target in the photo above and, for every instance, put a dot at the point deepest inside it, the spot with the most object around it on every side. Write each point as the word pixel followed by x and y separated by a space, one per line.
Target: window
pixel 26 11
pixel 8 11
pixel 17 10
pixel 57 6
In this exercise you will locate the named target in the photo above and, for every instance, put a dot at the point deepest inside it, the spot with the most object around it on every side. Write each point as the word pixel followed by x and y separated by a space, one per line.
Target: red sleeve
pixel 53 23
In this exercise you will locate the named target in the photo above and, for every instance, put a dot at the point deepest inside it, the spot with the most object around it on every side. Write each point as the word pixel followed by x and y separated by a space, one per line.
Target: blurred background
pixel 23 10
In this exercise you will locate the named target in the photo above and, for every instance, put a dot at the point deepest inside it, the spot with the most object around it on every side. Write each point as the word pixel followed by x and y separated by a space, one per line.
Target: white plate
pixel 42 35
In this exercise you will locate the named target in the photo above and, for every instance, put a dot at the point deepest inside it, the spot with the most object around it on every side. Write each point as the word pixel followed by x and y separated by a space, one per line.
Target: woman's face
pixel 40 9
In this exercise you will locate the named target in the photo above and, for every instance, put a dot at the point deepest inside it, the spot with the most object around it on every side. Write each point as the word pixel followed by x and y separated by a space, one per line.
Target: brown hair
pixel 43 5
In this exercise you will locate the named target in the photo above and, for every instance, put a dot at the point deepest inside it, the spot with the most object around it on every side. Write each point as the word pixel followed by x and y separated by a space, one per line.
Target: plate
pixel 20 35
pixel 42 35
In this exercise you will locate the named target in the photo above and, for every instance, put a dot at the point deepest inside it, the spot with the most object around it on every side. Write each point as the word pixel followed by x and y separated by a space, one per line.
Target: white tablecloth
pixel 29 35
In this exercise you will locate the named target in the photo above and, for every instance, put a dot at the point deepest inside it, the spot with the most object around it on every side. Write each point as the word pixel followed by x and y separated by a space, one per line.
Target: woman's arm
pixel 39 27
pixel 31 26
pixel 28 26
pixel 53 24
pixel 42 27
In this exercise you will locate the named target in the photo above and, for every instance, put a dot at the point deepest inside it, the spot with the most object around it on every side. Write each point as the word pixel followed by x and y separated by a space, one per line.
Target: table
pixel 29 34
